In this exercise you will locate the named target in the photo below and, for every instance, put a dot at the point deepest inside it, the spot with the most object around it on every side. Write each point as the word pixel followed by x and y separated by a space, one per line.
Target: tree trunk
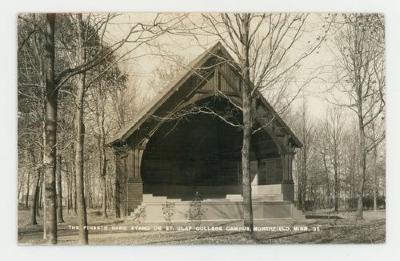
pixel 44 211
pixel 304 178
pixel 336 181
pixel 104 204
pixel 103 167
pixel 88 191
pixel 75 194
pixel 247 125
pixel 71 175
pixel 80 191
pixel 304 154
pixel 40 205
pixel 352 176
pixel 51 131
pixel 328 189
pixel 67 175
pixel 104 181
pixel 36 183
pixel 35 198
pixel 117 193
pixel 59 193
pixel 80 138
pixel 246 180
pixel 299 182
pixel 20 185
pixel 28 184
pixel 375 179
pixel 110 197
pixel 362 167
pixel 68 197
pixel 73 183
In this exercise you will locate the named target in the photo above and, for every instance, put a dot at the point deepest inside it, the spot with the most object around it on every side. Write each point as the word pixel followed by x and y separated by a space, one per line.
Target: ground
pixel 340 228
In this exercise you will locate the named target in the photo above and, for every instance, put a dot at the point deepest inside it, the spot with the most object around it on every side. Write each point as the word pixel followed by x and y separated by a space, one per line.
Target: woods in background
pixel 74 94
pixel 351 148
pixel 61 61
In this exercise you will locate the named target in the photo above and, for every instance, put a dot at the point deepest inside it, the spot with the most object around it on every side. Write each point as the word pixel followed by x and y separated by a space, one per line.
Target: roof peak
pixel 174 86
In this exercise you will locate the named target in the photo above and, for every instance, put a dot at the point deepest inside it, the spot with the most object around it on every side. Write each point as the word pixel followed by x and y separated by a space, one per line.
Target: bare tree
pixel 28 182
pixel 323 150
pixel 333 133
pixel 60 218
pixel 36 186
pixel 350 161
pixel 362 79
pixel 31 100
pixel 50 131
pixel 261 44
pixel 111 83
pixel 305 129
pixel 374 133
pixel 80 133
pixel 87 59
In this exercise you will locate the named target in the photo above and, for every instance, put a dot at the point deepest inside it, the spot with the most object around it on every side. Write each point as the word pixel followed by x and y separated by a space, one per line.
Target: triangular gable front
pixel 200 71
pixel 210 74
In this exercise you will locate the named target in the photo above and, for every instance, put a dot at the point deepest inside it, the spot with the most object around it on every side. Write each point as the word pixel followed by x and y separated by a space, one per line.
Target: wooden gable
pixel 209 75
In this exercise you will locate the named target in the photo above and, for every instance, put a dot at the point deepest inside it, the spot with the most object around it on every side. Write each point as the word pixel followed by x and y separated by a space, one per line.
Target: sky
pixel 141 65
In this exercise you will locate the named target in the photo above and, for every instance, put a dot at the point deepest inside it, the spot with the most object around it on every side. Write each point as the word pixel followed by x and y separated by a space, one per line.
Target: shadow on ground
pixel 318 228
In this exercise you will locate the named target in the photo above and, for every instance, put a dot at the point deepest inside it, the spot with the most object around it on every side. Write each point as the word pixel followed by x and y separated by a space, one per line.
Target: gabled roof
pixel 175 85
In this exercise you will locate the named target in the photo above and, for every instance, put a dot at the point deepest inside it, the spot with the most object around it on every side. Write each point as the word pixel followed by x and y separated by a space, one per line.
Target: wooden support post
pixel 135 184
pixel 120 181
pixel 285 168
pixel 287 180
pixel 283 155
pixel 290 167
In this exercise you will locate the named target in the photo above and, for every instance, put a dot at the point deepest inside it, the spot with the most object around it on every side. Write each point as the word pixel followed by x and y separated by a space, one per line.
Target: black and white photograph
pixel 201 128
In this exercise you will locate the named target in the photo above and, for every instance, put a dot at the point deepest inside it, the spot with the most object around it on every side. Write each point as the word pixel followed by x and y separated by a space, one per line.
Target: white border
pixel 8 130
